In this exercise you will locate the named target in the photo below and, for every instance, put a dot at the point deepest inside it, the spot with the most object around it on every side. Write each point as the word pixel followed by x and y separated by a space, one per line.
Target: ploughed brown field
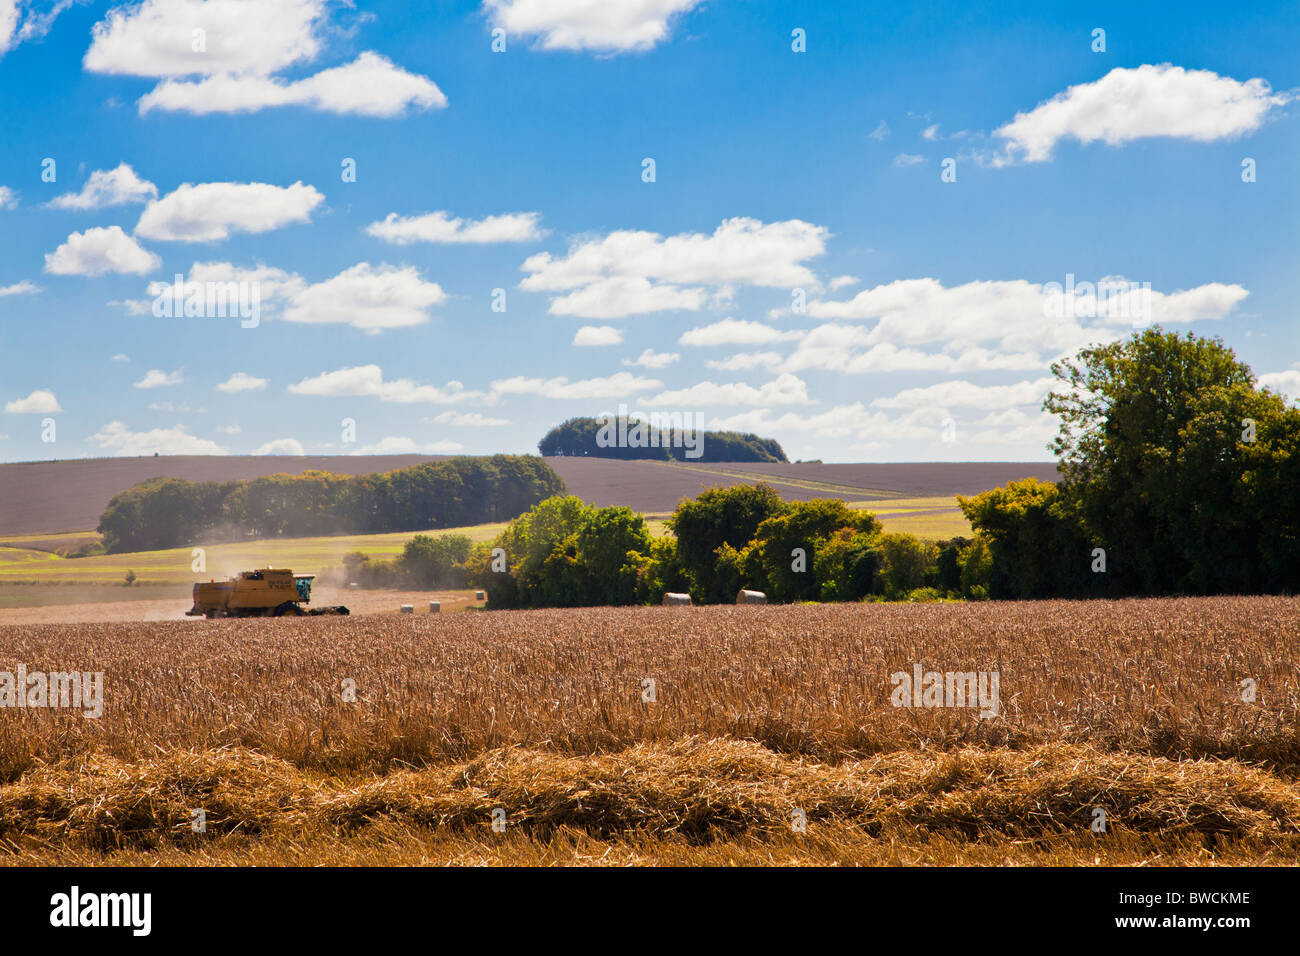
pixel 667 735
pixel 54 496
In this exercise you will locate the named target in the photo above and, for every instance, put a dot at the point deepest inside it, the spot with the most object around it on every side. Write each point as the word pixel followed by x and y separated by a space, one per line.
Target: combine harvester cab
pixel 267 592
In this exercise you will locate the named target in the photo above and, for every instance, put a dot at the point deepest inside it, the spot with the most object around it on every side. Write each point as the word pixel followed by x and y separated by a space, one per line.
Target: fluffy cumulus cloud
pixel 280 446
pixel 746 361
pixel 442 227
pixel 274 287
pixel 368 380
pixel 649 358
pixel 371 85
pixel 211 211
pixel 108 187
pixel 157 378
pixel 368 298
pixel 118 439
pixel 735 332
pixel 465 420
pixel 782 390
pixel 597 335
pixel 635 272
pixel 242 382
pixel 26 287
pixel 39 402
pixel 401 445
pixel 604 26
pixel 8 198
pixel 934 429
pixel 1286 382
pixel 1129 104
pixel 618 385
pixel 228 56
pixel 98 251
pixel 966 395
pixel 1016 317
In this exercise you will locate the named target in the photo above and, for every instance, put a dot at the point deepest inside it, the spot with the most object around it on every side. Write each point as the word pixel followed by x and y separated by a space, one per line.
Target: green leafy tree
pixel 717 517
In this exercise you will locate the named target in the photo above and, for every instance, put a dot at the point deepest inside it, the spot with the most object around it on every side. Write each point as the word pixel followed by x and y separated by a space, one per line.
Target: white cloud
pixel 121 357
pixel 441 227
pixel 8 198
pixel 652 359
pixel 835 348
pixel 100 250
pixel 745 361
pixel 598 335
pixel 26 287
pixel 212 211
pixel 242 382
pixel 244 44
pixel 368 298
pixel 465 420
pixel 156 38
pixel 108 187
pixel 1286 382
pixel 621 297
pixel 965 394
pixel 614 386
pixel 39 402
pixel 1015 315
pixel 839 282
pixel 371 85
pixel 368 380
pixel 280 446
pixel 1129 104
pixel 930 133
pixel 632 272
pixel 395 445
pixel 119 440
pixel 735 332
pixel 8 23
pixel 908 159
pixel 880 133
pixel 156 378
pixel 608 26
pixel 783 390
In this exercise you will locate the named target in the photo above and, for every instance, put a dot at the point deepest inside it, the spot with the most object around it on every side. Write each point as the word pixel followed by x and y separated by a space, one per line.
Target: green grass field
pixel 175 565
pixel 29 560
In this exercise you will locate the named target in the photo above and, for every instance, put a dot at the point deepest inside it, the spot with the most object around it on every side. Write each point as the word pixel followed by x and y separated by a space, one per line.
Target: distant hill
pixel 53 496
pixel 628 439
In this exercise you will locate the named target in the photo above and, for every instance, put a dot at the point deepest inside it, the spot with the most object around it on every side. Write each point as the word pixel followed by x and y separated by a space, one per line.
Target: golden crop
pixel 663 724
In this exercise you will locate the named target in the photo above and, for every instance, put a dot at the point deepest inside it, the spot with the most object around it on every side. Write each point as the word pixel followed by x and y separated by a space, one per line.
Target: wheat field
pixel 750 735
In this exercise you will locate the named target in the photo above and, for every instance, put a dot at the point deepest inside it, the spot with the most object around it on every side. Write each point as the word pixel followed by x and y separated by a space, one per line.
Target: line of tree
pixel 565 553
pixel 1179 475
pixel 449 493
pixel 630 438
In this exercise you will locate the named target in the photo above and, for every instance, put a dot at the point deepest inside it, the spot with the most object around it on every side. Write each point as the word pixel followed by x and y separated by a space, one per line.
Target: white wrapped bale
pixel 751 597
pixel 672 599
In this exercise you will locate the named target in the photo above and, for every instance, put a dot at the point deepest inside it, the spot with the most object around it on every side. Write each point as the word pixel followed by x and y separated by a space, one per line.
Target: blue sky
pixel 798 267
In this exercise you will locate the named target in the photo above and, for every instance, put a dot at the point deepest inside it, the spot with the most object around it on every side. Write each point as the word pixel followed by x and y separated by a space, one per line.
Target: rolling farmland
pixel 67 496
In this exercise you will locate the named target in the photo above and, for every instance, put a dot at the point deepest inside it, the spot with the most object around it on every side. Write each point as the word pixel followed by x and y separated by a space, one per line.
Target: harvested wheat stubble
pixel 1160 677
pixel 696 789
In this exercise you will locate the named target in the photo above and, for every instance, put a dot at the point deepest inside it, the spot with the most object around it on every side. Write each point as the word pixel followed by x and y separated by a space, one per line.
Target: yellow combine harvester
pixel 267 592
